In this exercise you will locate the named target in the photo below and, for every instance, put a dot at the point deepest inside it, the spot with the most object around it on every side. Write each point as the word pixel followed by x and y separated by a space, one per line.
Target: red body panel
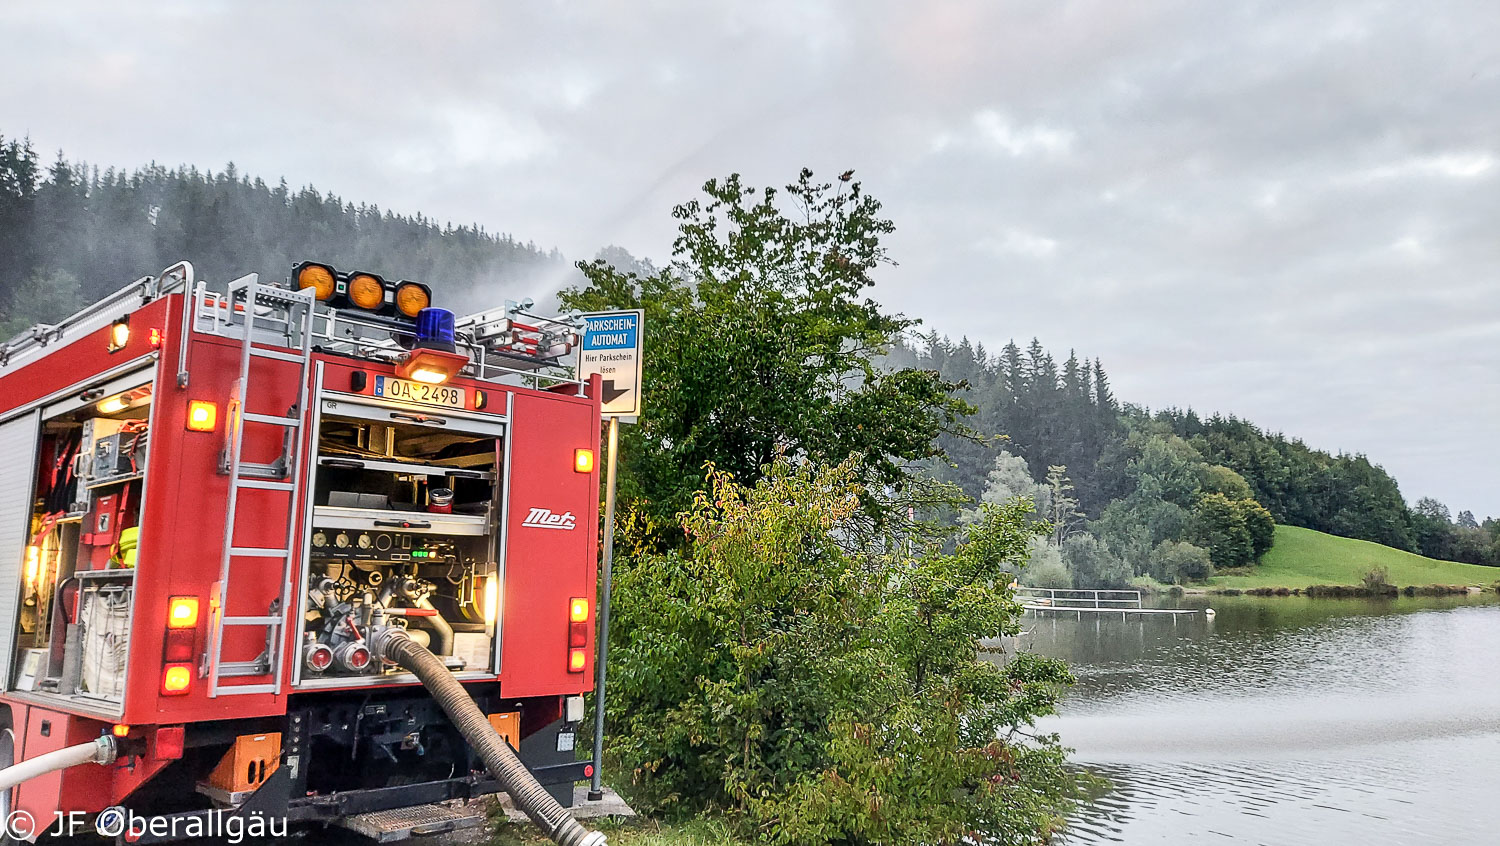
pixel 181 539
pixel 539 576
pixel 88 789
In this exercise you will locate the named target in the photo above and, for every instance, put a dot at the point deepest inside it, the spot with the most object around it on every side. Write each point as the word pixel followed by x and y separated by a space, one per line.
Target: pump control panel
pixel 374 546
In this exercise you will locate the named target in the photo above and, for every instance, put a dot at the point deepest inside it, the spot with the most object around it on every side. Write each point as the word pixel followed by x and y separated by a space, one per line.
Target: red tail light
pixel 167 743
pixel 179 646
pixel 578 633
pixel 182 636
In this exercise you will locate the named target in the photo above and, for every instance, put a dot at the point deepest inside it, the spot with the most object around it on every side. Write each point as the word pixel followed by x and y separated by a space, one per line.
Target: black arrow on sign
pixel 611 393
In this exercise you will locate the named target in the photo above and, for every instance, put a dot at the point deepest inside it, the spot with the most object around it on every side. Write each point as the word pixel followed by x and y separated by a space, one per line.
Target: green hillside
pixel 1302 557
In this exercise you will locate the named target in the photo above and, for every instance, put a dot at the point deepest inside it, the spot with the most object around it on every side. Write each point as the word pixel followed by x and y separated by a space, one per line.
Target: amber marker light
pixel 366 291
pixel 176 679
pixel 202 416
pixel 182 612
pixel 319 277
pixel 578 610
pixel 119 730
pixel 583 461
pixel 576 659
pixel 411 298
pixel 119 334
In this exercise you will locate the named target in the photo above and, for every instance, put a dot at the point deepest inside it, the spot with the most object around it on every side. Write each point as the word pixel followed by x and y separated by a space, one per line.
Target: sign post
pixel 611 346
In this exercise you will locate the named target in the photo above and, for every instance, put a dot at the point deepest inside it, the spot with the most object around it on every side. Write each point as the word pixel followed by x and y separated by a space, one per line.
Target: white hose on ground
pixel 99 751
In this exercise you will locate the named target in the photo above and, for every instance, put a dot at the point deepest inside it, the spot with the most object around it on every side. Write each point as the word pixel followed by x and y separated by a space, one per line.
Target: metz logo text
pixel 543 518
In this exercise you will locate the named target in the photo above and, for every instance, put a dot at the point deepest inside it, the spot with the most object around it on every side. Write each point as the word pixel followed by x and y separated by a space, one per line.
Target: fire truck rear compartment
pixel 403 533
pixel 78 580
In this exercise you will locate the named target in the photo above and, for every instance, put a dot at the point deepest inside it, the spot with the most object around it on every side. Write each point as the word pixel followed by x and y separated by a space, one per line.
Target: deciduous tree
pixel 761 339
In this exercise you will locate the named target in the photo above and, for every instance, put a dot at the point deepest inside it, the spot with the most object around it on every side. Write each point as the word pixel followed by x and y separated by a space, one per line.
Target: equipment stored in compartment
pixel 120 454
pixel 395 543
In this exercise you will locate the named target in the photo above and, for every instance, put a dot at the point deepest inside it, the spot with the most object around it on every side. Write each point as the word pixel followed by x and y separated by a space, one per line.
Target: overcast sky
pixel 1287 211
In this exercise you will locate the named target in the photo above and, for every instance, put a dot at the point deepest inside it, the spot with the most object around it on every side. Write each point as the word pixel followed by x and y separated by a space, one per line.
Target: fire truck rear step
pixel 422 820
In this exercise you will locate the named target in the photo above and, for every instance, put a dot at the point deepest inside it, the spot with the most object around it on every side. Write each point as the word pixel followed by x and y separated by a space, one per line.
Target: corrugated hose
pixel 394 644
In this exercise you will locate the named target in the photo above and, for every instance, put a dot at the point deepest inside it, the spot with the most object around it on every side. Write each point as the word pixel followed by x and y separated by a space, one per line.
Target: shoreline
pixel 1340 591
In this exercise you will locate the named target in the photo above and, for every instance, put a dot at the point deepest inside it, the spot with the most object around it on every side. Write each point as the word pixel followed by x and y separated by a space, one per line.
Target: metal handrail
pixel 338 331
pixel 1083 598
pixel 90 317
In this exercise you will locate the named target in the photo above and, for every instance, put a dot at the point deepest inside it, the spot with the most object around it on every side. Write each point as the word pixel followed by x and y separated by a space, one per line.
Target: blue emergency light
pixel 435 329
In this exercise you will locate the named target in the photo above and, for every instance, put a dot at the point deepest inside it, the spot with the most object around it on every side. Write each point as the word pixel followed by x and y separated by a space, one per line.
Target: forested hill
pixel 70 234
pixel 1168 494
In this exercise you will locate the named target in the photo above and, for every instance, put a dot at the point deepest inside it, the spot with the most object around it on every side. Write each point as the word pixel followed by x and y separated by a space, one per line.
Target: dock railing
pixel 1067 599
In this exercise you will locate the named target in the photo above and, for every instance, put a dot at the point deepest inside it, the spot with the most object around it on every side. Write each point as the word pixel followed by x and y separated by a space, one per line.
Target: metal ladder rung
pixel 252 621
pixel 258 552
pixel 262 485
pixel 248 688
pixel 275 354
pixel 250 470
pixel 272 419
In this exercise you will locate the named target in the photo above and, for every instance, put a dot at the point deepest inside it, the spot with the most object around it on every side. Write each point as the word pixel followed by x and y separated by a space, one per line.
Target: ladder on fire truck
pixel 292 313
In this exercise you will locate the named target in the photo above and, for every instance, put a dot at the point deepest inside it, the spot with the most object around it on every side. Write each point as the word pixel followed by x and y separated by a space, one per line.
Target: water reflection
pixel 1286 721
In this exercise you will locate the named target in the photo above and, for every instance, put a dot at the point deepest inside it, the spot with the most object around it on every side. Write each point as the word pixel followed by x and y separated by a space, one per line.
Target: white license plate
pixel 401 389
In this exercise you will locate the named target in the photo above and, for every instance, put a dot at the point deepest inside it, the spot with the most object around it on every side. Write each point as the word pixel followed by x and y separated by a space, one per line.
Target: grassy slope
pixel 1303 557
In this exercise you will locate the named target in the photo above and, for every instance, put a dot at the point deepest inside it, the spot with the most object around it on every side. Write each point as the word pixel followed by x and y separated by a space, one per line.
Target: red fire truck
pixel 226 514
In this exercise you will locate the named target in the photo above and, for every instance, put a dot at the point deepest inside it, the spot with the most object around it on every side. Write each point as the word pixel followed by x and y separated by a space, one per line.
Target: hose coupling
pixel 109 749
pixel 381 640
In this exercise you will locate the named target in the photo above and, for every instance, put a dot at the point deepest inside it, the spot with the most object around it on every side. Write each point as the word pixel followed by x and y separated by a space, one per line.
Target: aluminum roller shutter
pixel 18 443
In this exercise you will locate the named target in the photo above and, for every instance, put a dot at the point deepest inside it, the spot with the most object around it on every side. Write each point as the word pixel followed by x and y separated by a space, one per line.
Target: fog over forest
pixel 71 233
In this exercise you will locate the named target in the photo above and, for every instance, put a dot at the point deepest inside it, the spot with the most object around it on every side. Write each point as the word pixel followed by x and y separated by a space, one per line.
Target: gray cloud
pixel 1285 211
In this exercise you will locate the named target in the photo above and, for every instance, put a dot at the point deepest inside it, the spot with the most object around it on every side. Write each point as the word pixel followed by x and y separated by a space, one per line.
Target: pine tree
pixel 108 227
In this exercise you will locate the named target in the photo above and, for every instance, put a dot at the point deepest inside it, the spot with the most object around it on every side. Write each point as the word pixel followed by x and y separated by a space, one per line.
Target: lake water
pixel 1286 721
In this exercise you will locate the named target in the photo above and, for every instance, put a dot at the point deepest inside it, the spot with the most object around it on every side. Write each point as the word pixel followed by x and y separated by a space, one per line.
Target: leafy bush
pixel 1048 573
pixel 815 693
pixel 1176 562
pixel 1236 532
pixel 1093 565
pixel 1044 566
pixel 1260 526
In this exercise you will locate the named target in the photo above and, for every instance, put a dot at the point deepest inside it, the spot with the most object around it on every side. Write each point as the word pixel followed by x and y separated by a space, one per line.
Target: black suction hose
pixel 394 644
